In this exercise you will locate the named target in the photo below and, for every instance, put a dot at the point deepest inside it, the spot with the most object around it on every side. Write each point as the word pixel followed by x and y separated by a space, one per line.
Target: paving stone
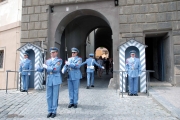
pixel 98 103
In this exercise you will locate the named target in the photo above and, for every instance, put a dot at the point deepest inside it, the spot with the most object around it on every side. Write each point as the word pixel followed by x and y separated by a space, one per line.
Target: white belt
pixel 89 66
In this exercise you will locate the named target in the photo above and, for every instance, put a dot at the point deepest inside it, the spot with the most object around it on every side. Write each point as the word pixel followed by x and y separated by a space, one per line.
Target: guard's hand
pixel 62 70
pixel 29 74
pixel 102 67
pixel 45 66
pixel 67 63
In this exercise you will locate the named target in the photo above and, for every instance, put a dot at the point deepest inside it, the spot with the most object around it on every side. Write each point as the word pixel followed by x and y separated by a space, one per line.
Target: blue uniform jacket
pixel 25 64
pixel 73 69
pixel 90 62
pixel 133 67
pixel 53 71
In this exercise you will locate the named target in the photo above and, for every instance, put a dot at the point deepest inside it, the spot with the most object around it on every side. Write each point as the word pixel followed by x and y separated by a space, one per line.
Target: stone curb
pixel 164 103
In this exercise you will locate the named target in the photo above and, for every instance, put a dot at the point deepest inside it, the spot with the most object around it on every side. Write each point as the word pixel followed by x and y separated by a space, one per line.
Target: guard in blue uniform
pixel 133 67
pixel 54 79
pixel 25 64
pixel 90 70
pixel 72 66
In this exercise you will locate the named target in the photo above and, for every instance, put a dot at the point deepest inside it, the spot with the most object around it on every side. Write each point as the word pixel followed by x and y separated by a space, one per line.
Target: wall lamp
pixel 52 9
pixel 116 2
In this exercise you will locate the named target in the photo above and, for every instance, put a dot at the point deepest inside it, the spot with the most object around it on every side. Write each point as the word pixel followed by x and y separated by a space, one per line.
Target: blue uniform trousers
pixel 25 80
pixel 73 86
pixel 90 78
pixel 52 98
pixel 133 85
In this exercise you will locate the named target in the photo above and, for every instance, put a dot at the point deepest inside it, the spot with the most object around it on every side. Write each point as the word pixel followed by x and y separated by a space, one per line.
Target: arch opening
pixel 83 29
pixel 75 28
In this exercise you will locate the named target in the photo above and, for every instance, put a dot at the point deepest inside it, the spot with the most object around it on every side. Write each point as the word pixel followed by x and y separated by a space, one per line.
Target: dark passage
pixel 157 56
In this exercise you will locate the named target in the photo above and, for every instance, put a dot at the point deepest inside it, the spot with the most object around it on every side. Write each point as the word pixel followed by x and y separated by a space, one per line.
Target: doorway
pixel 32 58
pixel 158 56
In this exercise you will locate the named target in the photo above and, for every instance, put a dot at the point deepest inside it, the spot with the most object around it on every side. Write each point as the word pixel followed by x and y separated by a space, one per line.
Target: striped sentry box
pixel 38 77
pixel 122 48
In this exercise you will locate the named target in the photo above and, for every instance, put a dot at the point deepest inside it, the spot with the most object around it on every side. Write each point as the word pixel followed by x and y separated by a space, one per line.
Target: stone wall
pixel 35 19
pixel 139 16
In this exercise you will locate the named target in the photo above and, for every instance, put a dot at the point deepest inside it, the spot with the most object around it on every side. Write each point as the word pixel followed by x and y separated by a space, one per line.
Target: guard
pixel 54 79
pixel 133 67
pixel 90 70
pixel 72 66
pixel 25 64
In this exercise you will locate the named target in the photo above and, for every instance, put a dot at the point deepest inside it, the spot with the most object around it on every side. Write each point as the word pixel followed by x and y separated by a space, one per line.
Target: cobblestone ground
pixel 97 103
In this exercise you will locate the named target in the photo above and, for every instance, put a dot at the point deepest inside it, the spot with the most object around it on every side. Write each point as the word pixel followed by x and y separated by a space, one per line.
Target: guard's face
pixel 132 55
pixel 25 56
pixel 74 54
pixel 54 54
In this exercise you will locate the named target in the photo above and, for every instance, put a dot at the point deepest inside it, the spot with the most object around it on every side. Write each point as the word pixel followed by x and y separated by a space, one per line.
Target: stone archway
pixel 75 24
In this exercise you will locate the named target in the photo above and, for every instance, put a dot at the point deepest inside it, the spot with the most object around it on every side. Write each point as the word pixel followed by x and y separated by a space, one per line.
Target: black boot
pixel 70 105
pixel 49 115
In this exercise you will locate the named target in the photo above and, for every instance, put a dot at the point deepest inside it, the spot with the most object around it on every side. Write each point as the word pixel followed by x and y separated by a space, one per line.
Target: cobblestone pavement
pixel 99 103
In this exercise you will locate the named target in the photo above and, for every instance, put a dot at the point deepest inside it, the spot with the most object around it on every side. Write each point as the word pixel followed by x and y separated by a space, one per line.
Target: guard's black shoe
pixel 75 106
pixel 22 90
pixel 92 85
pixel 130 94
pixel 53 115
pixel 49 115
pixel 87 87
pixel 70 105
pixel 25 90
pixel 135 94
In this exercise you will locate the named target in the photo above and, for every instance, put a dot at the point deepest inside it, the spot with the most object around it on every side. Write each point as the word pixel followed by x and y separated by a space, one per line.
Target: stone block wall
pixel 139 16
pixel 34 26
